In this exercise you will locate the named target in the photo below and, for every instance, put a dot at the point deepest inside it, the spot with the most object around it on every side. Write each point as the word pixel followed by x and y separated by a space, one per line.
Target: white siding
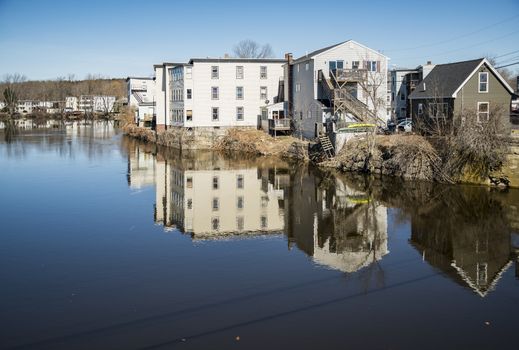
pixel 227 82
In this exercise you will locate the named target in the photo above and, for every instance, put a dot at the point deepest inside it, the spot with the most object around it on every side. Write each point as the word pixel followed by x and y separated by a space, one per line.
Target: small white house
pixel 141 96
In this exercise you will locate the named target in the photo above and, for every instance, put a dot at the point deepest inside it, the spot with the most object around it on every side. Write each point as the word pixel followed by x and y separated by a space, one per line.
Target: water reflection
pixel 212 197
pixel 466 232
pixel 60 137
pixel 339 221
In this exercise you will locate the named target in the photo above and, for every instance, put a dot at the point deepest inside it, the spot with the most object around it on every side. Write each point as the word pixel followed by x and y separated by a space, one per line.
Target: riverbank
pixel 413 157
pixel 235 140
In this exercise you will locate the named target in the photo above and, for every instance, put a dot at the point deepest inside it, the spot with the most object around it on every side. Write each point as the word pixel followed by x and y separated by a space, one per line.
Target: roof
pixel 320 51
pixel 316 52
pixel 445 80
pixel 141 78
pixel 238 60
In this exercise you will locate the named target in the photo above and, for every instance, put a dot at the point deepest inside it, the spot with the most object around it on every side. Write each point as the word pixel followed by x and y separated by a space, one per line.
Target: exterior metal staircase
pixel 343 101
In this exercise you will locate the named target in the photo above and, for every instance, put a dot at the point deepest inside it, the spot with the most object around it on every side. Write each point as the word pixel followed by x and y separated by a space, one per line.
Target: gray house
pixel 472 87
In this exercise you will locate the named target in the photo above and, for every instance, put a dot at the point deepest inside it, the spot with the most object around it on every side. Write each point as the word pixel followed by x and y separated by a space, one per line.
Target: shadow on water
pixel 340 221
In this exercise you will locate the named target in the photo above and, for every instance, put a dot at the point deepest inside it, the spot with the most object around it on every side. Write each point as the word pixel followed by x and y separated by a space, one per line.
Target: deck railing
pixel 343 74
pixel 279 124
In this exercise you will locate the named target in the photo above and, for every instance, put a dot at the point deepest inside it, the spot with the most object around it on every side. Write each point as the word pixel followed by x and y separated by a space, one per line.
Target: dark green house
pixel 469 88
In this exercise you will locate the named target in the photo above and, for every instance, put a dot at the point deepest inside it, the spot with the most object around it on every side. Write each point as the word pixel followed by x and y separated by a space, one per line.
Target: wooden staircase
pixel 326 146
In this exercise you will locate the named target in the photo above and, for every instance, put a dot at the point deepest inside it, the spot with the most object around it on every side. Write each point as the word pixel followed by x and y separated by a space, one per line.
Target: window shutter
pixel 378 66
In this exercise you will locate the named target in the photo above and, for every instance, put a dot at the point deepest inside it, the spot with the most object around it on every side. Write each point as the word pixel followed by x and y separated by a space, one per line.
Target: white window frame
pixel 298 87
pixel 478 113
pixel 240 111
pixel 213 90
pixel 263 72
pixel 479 82
pixel 215 72
pixel 238 96
pixel 189 72
pixel 213 109
pixel 239 72
pixel 420 109
pixel 189 94
pixel 265 96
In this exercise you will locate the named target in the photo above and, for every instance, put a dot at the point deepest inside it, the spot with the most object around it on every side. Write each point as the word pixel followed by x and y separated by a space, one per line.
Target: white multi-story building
pixel 141 97
pixel 403 81
pixel 96 104
pixel 162 94
pixel 215 93
pixel 71 103
pixel 347 81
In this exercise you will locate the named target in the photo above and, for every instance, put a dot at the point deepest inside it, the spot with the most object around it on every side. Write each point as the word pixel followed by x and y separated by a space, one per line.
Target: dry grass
pixel 255 142
pixel 406 156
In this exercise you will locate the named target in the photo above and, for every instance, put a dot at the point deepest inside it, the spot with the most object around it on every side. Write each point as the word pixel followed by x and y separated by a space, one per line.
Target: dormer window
pixel 483 82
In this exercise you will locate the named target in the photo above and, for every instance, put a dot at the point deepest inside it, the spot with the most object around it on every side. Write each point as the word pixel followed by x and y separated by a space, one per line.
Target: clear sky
pixel 45 39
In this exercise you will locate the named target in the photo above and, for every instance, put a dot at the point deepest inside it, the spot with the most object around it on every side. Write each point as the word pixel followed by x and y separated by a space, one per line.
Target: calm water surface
pixel 106 243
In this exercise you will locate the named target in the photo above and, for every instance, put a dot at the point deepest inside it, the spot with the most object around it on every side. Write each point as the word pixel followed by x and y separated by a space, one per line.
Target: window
pixel 264 201
pixel 420 109
pixel 214 72
pixel 189 94
pixel 483 82
pixel 264 114
pixel 215 182
pixel 239 92
pixel 214 113
pixel 239 72
pixel 239 113
pixel 307 66
pixel 239 181
pixel 239 223
pixel 263 93
pixel 263 220
pixel 239 202
pixel 215 224
pixel 298 67
pixel 372 66
pixel 189 203
pixel 340 64
pixel 298 87
pixel 263 72
pixel 214 93
pixel 438 110
pixel 483 112
pixel 189 115
pixel 189 182
pixel 355 65
pixel 402 96
pixel 189 71
pixel 216 204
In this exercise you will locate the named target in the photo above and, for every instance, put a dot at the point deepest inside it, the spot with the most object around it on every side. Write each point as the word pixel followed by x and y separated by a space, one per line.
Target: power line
pixel 508 65
pixel 506 54
pixel 455 38
pixel 507 60
pixel 468 47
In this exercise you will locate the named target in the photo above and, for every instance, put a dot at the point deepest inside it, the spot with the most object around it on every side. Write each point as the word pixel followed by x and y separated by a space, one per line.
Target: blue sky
pixel 45 39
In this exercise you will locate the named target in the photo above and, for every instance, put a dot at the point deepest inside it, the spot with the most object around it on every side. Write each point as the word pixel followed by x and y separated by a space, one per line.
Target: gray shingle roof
pixel 445 79
pixel 316 52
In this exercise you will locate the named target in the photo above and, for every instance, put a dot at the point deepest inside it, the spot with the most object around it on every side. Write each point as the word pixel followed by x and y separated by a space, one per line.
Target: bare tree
pixel 251 49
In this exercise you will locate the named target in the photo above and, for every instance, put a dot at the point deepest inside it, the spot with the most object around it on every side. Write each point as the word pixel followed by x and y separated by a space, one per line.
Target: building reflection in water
pixel 341 222
pixel 466 232
pixel 210 196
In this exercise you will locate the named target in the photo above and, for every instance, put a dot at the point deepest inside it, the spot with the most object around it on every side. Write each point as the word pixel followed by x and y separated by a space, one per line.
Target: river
pixel 108 243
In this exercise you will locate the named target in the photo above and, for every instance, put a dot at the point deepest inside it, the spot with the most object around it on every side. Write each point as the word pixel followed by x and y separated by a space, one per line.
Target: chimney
pixel 288 57
pixel 226 55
